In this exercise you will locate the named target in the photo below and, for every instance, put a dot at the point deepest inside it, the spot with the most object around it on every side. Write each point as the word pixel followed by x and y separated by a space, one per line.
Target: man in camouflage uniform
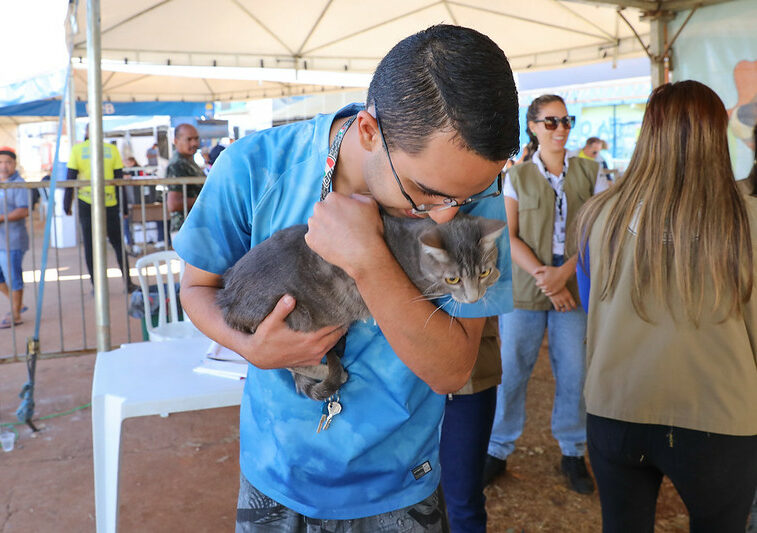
pixel 182 165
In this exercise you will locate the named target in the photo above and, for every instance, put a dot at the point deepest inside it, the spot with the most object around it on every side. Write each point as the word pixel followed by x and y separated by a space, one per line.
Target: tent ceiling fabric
pixel 126 87
pixel 352 35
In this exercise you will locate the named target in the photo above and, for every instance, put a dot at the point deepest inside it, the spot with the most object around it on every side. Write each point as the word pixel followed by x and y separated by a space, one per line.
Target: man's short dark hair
pixel 447 77
pixel 7 150
pixel 177 129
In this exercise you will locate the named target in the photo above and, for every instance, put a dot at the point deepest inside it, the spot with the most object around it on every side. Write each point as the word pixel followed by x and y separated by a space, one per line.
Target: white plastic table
pixel 141 379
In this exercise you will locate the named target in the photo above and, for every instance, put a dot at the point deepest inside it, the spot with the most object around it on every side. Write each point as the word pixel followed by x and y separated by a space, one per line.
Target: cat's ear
pixel 491 230
pixel 431 244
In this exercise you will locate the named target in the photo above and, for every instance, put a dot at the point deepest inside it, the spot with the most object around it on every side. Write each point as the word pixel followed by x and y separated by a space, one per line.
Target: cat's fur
pixel 325 295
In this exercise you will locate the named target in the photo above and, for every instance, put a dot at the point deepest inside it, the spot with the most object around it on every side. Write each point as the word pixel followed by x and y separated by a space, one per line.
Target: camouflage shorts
pixel 257 513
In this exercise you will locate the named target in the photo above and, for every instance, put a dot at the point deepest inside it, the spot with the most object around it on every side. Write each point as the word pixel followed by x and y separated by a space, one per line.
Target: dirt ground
pixel 180 473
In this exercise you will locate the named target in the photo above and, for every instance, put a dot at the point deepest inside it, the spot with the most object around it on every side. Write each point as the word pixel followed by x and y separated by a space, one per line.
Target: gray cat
pixel 458 258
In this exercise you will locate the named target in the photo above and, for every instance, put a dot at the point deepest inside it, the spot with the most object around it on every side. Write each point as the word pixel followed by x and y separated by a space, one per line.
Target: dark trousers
pixel 465 437
pixel 113 228
pixel 714 474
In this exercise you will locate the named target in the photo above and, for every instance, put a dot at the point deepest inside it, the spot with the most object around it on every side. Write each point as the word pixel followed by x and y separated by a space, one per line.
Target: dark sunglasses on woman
pixel 551 123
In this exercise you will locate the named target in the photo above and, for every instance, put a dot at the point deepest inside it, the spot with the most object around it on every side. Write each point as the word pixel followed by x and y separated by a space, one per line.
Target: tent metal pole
pixel 94 97
pixel 71 111
pixel 656 47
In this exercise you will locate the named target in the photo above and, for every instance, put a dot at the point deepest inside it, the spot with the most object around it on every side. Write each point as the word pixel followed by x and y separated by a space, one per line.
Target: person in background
pixel 667 269
pixel 749 187
pixel 542 198
pixel 467 425
pixel 214 153
pixel 591 149
pixel 79 167
pixel 14 208
pixel 205 153
pixel 152 155
pixel 130 197
pixel 182 165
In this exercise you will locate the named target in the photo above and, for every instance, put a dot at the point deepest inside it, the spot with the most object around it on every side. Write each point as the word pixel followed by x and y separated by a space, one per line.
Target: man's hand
pixel 275 345
pixel 346 231
pixel 563 300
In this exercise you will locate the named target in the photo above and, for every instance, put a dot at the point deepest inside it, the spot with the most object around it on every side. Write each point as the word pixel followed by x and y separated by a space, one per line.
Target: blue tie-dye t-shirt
pixel 388 429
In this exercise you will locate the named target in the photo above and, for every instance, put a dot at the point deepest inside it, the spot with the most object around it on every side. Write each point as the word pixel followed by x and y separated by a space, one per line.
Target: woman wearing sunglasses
pixel 542 198
pixel 671 385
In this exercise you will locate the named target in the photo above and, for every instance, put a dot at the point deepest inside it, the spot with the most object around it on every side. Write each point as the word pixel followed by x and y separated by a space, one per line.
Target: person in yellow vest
pixel 668 265
pixel 79 168
pixel 542 198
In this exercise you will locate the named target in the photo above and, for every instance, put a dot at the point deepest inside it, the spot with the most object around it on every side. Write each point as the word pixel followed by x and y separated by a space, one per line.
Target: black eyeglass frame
pixel 550 123
pixel 424 209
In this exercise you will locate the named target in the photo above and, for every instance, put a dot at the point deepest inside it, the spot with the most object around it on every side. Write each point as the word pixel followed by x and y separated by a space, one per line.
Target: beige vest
pixel 487 371
pixel 536 222
pixel 670 372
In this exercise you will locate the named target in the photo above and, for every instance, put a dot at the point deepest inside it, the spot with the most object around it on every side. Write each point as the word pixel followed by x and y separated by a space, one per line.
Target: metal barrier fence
pixel 68 315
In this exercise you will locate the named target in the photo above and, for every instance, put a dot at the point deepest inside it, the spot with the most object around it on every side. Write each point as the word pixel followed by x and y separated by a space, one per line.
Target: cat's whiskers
pixel 427 297
pixel 433 313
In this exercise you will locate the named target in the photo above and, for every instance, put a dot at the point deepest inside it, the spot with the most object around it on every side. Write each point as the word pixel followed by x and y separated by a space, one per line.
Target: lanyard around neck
pixel 328 171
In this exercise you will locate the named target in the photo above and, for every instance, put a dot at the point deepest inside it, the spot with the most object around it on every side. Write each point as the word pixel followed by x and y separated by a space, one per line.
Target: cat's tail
pixel 321 390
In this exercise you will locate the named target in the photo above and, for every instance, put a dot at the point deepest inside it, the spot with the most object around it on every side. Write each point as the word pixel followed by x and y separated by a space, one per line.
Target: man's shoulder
pixel 279 148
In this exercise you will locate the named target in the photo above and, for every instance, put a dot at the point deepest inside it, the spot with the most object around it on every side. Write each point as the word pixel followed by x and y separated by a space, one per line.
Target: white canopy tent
pixel 347 36
pixel 351 36
pixel 138 83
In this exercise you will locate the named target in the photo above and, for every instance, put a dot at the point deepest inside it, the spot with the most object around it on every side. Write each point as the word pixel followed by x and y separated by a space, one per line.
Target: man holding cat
pixel 439 124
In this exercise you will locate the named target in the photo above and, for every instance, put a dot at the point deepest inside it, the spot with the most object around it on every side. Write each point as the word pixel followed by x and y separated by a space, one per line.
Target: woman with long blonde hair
pixel 671 384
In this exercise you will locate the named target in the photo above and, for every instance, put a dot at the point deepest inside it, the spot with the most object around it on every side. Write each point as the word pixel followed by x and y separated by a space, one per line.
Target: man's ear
pixel 368 131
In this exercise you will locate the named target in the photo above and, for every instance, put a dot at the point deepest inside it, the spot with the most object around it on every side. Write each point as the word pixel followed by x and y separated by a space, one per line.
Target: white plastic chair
pixel 169 326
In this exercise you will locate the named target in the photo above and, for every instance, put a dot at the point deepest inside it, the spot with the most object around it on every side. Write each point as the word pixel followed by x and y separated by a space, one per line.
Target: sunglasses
pixel 551 123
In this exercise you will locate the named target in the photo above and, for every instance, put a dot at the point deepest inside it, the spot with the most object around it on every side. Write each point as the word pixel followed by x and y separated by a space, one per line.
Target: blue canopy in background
pixel 49 107
pixel 40 97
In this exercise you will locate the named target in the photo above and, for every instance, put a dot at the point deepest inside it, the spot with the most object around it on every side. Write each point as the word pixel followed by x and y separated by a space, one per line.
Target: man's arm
pixel 175 201
pixel 19 213
pixel 68 196
pixel 440 349
pixel 274 344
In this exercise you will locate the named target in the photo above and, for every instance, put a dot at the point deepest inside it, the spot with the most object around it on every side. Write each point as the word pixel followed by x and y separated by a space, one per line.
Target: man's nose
pixel 443 215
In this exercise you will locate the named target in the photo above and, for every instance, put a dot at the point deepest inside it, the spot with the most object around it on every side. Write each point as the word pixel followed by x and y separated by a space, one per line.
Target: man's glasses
pixel 551 123
pixel 423 209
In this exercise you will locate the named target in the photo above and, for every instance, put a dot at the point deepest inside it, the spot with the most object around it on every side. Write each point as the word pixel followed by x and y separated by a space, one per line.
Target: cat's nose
pixel 443 215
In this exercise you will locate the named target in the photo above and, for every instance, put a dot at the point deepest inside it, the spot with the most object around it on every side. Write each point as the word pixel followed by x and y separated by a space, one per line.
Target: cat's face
pixel 460 257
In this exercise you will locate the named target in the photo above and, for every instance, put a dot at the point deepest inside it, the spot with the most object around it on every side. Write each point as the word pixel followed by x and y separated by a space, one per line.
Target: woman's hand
pixel 563 300
pixel 551 280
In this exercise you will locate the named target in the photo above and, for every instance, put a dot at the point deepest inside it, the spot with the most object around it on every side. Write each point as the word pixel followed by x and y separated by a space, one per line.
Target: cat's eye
pixel 452 280
pixel 485 273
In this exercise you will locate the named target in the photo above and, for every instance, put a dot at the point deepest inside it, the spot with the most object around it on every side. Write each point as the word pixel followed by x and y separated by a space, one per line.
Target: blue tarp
pixel 49 107
pixel 40 97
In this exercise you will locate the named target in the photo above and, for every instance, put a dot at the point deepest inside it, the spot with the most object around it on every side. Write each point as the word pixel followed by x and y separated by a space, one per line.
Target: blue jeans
pixel 13 278
pixel 521 333
pixel 465 434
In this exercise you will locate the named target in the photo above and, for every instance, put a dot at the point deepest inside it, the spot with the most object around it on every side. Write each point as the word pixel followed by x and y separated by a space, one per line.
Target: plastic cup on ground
pixel 7 439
